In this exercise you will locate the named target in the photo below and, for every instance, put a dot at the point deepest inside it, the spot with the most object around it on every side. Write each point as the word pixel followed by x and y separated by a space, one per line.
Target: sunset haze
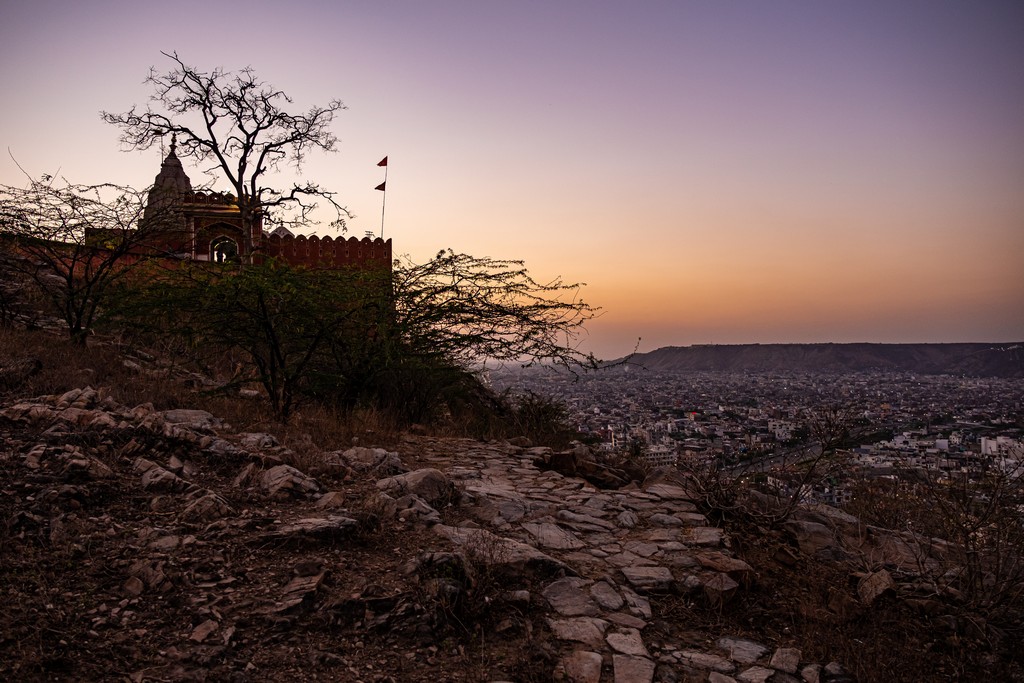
pixel 715 172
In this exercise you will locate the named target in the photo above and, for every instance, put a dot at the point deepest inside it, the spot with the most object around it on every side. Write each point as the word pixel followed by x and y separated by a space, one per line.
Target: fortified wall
pixel 328 252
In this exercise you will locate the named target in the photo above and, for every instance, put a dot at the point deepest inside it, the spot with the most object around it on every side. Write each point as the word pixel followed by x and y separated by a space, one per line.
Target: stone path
pixel 617 549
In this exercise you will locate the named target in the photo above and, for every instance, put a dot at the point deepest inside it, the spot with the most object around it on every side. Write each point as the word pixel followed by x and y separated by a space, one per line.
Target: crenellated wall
pixel 207 197
pixel 328 252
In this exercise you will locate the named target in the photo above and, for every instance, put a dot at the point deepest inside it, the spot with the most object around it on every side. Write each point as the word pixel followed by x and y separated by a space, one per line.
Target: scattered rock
pixel 331 500
pixel 206 507
pixel 742 651
pixel 507 556
pixel 284 481
pixel 756 674
pixel 376 461
pixel 719 589
pixel 874 585
pixel 203 631
pixel 195 420
pixel 785 659
pixel 704 660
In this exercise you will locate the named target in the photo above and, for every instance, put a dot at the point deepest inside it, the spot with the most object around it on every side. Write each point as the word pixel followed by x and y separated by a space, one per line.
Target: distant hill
pixel 975 360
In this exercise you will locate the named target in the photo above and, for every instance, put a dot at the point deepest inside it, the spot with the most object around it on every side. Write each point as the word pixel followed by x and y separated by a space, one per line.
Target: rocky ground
pixel 138 544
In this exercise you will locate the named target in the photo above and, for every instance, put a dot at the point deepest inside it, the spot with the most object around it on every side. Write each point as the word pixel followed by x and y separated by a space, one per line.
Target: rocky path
pixel 615 549
pixel 162 545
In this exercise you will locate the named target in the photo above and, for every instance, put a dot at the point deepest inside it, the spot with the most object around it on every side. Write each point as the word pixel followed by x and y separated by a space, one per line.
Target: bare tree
pixel 467 309
pixel 236 123
pixel 73 242
pixel 770 489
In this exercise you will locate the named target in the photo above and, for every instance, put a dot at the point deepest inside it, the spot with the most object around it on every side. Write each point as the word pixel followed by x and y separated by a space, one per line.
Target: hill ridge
pixel 975 359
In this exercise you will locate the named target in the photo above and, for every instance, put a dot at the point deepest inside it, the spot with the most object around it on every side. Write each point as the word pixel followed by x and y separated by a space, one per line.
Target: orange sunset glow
pixel 715 173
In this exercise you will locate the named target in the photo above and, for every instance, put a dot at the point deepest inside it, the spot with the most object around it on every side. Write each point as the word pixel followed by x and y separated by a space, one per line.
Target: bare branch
pixel 239 125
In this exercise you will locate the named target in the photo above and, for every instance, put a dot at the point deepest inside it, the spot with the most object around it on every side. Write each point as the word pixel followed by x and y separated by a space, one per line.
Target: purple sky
pixel 716 172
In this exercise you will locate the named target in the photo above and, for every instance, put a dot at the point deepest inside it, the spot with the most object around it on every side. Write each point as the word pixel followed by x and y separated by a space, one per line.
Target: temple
pixel 208 226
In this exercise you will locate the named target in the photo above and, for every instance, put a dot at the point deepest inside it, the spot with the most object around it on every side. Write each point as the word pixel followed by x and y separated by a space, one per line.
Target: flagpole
pixel 383 187
pixel 383 201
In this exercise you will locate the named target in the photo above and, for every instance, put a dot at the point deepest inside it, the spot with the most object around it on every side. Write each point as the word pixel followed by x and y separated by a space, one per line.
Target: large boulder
pixel 506 556
pixel 430 484
pixel 810 536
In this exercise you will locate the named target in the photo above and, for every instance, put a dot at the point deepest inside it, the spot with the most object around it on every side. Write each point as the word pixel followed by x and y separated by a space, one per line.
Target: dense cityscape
pixel 894 423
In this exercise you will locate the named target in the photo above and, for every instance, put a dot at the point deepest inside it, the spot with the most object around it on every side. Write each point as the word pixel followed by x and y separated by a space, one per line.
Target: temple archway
pixel 223 249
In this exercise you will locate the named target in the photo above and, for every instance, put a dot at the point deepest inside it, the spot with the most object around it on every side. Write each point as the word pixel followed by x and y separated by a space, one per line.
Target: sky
pixel 715 172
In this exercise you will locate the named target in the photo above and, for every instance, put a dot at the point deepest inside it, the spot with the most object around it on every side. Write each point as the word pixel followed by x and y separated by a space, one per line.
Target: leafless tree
pixel 468 309
pixel 73 242
pixel 769 490
pixel 236 123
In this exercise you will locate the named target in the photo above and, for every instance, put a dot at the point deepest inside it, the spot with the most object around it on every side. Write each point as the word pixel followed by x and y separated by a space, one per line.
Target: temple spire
pixel 172 177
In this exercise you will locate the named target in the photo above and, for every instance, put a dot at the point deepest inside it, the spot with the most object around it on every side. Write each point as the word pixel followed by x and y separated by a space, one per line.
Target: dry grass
pixel 103 363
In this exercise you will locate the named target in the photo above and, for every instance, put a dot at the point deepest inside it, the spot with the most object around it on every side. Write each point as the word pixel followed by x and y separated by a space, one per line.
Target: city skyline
pixel 716 174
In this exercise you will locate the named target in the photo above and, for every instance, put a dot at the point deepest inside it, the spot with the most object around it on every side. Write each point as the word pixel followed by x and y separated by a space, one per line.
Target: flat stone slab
pixel 584 521
pixel 553 536
pixel 642 549
pixel 586 630
pixel 627 620
pixel 703 535
pixel 661 519
pixel 703 660
pixel 756 674
pixel 741 650
pixel 606 596
pixel 570 597
pixel 669 492
pixel 629 669
pixel 582 666
pixel 652 578
pixel 309 530
pixel 627 559
pixel 191 418
pixel 627 642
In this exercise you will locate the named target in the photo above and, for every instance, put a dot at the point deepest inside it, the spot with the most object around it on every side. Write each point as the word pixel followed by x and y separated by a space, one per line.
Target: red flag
pixel 381 186
pixel 383 162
